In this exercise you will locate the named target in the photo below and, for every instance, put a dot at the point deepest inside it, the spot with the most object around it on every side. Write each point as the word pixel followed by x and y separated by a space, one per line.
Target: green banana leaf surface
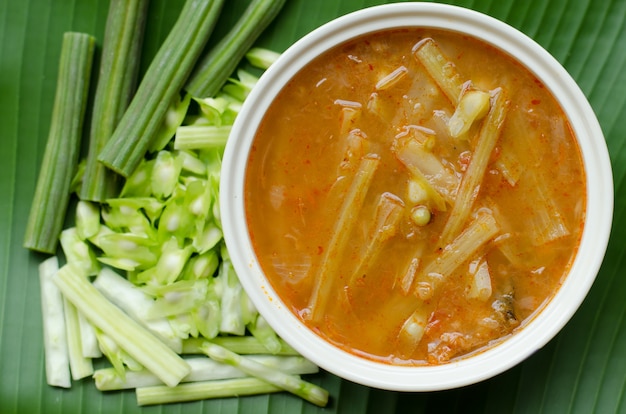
pixel 582 370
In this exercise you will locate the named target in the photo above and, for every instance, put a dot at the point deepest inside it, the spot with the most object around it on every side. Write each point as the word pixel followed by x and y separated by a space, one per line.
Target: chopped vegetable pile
pixel 146 280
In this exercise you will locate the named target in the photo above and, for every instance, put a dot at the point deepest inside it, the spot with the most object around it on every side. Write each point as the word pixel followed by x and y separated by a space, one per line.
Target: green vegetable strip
pixel 80 366
pixel 472 179
pixel 87 219
pixel 174 117
pixel 261 58
pixel 78 252
pixel 194 137
pixel 163 80
pixel 348 216
pixel 54 330
pixel 132 300
pixel 389 212
pixel 261 330
pixel 202 369
pixel 60 159
pixel 231 301
pixel 121 52
pixel 215 68
pixel 439 68
pixel 238 344
pixel 288 382
pixel 478 233
pixel 140 344
pixel 88 340
pixel 194 391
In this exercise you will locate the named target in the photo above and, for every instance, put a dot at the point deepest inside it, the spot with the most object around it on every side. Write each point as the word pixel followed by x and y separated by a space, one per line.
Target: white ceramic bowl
pixel 509 352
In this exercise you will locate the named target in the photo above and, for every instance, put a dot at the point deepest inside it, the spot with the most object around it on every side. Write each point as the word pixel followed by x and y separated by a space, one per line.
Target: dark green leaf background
pixel 582 370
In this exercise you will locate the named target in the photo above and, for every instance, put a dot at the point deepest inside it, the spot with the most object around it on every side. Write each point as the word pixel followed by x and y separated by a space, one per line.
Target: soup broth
pixel 415 195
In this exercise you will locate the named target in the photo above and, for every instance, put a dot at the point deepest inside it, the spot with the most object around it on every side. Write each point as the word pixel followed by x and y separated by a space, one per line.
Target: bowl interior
pixel 546 323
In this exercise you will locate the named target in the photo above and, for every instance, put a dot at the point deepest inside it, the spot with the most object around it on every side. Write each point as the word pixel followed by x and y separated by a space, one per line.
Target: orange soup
pixel 415 196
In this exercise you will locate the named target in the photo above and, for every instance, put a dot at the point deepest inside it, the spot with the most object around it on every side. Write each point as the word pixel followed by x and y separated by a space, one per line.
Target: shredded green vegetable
pixel 164 285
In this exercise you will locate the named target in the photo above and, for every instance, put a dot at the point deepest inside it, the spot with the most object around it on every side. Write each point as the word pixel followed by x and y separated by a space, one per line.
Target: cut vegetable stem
pixel 481 230
pixel 60 159
pixel 161 394
pixel 128 334
pixel 201 137
pixel 88 340
pixel 54 331
pixel 202 369
pixel 473 177
pixel 136 304
pixel 385 224
pixel 80 366
pixel 261 58
pixel 347 218
pixel 214 69
pixel 121 50
pixel 240 344
pixel 291 383
pixel 163 80
pixel 444 73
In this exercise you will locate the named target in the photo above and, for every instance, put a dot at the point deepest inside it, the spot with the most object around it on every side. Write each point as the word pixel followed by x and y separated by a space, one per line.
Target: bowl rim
pixel 536 332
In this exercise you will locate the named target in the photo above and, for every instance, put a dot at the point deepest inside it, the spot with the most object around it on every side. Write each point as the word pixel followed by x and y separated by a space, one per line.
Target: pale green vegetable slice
pixel 128 334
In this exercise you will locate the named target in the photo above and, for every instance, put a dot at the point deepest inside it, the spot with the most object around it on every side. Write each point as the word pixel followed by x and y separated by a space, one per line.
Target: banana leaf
pixel 582 370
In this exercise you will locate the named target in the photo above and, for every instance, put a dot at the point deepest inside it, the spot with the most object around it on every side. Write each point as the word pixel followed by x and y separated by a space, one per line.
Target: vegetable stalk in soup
pixel 415 195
